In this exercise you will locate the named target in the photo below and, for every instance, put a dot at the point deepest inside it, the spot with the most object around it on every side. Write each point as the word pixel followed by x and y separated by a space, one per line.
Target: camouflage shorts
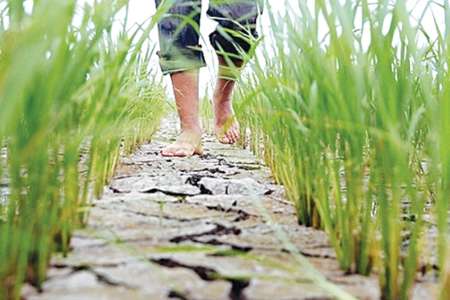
pixel 179 32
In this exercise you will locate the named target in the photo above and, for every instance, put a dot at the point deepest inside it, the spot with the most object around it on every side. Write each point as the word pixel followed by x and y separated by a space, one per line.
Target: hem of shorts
pixel 172 70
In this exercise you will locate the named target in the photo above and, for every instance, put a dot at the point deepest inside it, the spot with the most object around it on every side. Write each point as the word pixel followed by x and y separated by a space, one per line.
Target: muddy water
pixel 211 227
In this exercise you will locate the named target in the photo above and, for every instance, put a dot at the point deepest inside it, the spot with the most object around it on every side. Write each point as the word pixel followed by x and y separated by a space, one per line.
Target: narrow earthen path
pixel 202 228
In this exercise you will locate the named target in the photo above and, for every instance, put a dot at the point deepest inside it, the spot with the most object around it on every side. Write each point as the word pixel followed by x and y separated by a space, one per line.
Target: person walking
pixel 181 57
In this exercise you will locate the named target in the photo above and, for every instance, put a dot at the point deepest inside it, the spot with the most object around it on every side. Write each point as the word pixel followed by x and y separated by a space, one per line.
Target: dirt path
pixel 198 228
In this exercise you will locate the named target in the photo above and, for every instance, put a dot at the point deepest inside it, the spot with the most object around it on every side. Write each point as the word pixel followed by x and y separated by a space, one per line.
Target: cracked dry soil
pixel 193 229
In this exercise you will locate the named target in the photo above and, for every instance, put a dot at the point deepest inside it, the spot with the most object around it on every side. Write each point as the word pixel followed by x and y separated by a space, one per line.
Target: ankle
pixel 221 97
pixel 195 130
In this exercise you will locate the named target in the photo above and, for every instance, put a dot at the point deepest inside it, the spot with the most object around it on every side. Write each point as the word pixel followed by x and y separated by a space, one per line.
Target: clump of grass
pixel 347 108
pixel 72 98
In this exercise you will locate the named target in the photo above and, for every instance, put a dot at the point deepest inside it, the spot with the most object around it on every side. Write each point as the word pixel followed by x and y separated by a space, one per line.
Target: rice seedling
pixel 206 112
pixel 441 138
pixel 73 98
pixel 347 108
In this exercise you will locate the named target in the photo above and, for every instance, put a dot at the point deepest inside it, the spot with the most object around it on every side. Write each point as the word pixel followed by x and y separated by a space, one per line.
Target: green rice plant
pixel 444 292
pixel 440 139
pixel 207 115
pixel 345 109
pixel 73 98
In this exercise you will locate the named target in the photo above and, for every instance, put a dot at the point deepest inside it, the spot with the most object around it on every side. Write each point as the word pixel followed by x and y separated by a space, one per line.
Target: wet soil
pixel 211 227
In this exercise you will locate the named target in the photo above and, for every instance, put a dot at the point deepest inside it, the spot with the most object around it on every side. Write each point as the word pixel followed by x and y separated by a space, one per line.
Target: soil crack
pixel 310 255
pixel 218 231
pixel 238 285
pixel 170 193
pixel 162 216
pixel 195 179
pixel 216 242
pixel 177 295
pixel 242 214
pixel 100 277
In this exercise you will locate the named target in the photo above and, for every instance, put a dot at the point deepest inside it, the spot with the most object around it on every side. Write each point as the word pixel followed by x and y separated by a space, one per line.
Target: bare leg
pixel 226 127
pixel 185 86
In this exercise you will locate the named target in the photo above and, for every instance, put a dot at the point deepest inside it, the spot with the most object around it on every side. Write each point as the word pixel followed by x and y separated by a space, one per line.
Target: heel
pixel 199 150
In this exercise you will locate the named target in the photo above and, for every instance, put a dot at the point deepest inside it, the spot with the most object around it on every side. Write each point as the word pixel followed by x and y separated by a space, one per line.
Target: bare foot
pixel 226 126
pixel 186 145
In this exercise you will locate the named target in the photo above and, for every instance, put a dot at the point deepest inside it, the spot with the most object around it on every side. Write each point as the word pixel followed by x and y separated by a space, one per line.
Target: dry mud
pixel 212 227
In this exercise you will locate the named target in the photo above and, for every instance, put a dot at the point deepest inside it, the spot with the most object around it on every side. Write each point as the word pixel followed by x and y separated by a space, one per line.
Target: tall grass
pixel 72 99
pixel 351 112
